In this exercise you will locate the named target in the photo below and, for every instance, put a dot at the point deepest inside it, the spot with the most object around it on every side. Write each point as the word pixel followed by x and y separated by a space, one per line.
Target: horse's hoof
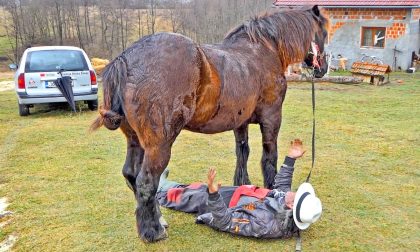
pixel 163 235
pixel 163 222
pixel 150 236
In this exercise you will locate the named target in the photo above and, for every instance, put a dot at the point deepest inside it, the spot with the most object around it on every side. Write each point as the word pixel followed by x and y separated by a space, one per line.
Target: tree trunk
pixel 139 23
pixel 59 22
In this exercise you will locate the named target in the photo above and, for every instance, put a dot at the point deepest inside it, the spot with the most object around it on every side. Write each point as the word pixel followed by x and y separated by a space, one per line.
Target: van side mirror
pixel 13 67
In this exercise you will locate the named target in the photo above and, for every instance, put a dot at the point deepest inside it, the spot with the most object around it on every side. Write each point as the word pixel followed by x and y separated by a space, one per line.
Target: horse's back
pixel 162 60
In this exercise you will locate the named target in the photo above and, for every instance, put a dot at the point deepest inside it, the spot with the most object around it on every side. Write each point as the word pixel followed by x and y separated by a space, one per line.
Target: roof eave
pixel 360 6
pixel 373 7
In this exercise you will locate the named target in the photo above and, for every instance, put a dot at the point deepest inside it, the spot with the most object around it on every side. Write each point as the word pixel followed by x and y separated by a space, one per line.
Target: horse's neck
pixel 245 47
pixel 290 53
pixel 285 52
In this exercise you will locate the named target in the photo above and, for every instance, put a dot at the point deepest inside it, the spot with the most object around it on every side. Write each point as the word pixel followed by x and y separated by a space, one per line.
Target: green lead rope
pixel 313 129
pixel 298 243
pixel 298 238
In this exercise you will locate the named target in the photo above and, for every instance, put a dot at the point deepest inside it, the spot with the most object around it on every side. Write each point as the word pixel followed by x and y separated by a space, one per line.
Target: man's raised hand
pixel 296 149
pixel 210 181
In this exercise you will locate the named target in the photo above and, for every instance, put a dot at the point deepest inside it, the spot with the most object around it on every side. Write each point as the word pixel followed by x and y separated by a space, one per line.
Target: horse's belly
pixel 227 118
pixel 215 126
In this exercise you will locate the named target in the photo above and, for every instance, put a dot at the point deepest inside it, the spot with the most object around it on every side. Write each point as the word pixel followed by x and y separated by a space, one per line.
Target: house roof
pixel 366 68
pixel 336 3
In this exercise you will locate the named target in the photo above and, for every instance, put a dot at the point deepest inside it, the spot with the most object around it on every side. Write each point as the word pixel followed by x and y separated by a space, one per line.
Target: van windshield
pixel 52 60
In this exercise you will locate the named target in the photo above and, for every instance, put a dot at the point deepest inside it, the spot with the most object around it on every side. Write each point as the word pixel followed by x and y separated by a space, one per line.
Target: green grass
pixel 67 192
pixel 5 51
pixel 340 73
pixel 4 46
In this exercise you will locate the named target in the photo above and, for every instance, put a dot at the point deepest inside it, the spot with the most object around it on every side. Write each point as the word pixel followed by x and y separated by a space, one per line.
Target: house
pixel 386 29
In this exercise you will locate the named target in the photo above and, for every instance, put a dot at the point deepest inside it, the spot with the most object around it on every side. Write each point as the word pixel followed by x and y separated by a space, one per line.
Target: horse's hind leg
pixel 133 162
pixel 134 156
pixel 148 214
pixel 242 153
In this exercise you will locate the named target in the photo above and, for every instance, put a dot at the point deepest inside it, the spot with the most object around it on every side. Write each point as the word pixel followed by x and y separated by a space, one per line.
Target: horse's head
pixel 316 56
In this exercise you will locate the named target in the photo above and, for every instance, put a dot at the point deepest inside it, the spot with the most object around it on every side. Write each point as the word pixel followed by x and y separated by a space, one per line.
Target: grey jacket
pixel 266 218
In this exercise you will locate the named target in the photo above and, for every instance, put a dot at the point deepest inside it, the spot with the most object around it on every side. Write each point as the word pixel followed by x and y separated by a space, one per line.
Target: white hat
pixel 307 208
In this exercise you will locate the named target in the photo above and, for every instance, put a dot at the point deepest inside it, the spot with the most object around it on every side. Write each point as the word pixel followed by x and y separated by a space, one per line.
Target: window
pixel 373 37
pixel 51 60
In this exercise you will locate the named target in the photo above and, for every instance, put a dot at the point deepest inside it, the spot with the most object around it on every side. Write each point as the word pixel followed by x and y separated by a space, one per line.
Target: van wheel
pixel 23 109
pixel 93 104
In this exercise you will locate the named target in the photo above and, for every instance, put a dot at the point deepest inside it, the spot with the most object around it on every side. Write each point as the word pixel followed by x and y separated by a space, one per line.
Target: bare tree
pixel 59 19
pixel 105 28
pixel 151 15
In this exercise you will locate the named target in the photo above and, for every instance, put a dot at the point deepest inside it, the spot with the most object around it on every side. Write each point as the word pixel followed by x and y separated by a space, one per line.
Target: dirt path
pixel 6 81
pixel 5 219
pixel 6 85
pixel 8 243
pixel 6 75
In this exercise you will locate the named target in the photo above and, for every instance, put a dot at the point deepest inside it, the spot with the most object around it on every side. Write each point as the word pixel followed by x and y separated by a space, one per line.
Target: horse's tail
pixel 114 79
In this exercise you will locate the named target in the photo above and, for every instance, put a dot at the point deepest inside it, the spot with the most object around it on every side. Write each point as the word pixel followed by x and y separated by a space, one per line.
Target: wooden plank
pixel 333 79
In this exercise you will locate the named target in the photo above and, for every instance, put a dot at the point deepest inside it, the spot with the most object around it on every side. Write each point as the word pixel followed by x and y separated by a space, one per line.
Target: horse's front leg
pixel 242 153
pixel 148 214
pixel 269 158
pixel 269 117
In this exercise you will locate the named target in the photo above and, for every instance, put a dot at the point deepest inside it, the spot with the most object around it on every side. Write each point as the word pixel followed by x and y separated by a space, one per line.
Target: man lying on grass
pixel 247 210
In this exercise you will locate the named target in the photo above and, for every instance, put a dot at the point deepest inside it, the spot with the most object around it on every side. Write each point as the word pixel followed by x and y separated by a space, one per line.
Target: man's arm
pixel 218 209
pixel 283 179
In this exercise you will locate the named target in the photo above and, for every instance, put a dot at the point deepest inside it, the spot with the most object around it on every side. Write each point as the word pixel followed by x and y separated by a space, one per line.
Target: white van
pixel 39 68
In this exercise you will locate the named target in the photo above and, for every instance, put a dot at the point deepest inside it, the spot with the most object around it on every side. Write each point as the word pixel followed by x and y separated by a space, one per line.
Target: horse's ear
pixel 315 10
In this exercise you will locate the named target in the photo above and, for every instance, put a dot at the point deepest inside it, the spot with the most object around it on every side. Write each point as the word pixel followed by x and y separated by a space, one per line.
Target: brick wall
pixel 415 14
pixel 396 30
pixel 336 26
pixel 366 13
pixel 342 16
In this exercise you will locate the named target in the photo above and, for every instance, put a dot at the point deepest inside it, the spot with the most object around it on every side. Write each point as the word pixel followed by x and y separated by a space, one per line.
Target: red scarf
pixel 247 190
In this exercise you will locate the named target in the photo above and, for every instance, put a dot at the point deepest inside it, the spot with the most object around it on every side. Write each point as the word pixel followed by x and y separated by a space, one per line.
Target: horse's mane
pixel 290 30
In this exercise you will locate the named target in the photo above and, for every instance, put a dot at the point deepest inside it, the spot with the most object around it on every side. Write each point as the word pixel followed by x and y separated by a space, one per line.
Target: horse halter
pixel 314 50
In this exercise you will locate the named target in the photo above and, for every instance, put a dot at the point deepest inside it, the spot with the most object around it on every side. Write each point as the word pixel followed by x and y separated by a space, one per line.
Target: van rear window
pixel 52 60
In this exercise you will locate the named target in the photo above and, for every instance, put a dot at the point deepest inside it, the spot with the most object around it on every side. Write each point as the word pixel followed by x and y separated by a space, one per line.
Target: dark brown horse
pixel 165 83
